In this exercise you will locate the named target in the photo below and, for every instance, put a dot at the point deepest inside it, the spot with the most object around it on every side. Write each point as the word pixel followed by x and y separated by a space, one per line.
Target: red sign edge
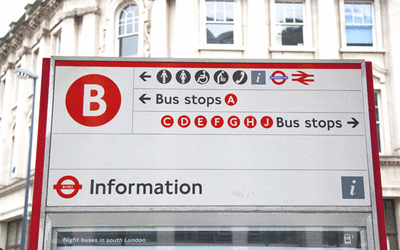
pixel 243 65
pixel 40 152
pixel 375 158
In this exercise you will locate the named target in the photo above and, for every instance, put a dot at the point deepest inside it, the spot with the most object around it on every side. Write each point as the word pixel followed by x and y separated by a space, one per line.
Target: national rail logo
pixel 93 100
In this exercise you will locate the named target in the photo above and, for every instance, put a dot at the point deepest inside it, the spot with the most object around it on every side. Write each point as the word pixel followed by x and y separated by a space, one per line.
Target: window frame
pixel 379 121
pixel 237 27
pixel 353 24
pixel 307 27
pixel 138 33
pixel 17 233
pixel 57 42
pixel 376 27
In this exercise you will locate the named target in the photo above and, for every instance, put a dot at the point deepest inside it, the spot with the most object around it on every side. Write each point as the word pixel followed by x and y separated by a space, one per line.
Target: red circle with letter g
pixel 93 100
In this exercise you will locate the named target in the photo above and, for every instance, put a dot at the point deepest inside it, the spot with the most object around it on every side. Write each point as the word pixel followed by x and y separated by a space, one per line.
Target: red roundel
pixel 93 100
pixel 61 185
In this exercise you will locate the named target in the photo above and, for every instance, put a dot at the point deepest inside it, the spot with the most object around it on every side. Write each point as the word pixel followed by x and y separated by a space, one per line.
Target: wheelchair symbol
pixel 202 77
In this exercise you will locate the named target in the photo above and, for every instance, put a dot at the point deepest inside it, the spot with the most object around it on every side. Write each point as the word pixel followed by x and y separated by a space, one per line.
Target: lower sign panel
pixel 228 238
pixel 202 188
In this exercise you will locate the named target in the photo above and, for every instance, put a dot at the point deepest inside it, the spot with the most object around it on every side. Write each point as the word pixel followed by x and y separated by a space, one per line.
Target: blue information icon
pixel 258 78
pixel 353 187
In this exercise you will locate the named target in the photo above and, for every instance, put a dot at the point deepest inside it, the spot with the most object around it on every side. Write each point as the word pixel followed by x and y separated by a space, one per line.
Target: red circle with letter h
pixel 60 186
pixel 93 100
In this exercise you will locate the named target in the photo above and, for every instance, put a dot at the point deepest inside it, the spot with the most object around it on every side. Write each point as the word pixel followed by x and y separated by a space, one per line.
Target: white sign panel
pixel 209 134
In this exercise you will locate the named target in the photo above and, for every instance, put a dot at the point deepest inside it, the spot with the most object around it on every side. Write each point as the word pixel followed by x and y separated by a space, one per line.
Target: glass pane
pixel 129 27
pixel 121 28
pixel 229 11
pixel 19 232
pixel 210 11
pixel 348 8
pixel 378 130
pixel 12 233
pixel 358 13
pixel 289 12
pixel 220 33
pixel 136 25
pixel 357 7
pixel 367 14
pixel 279 12
pixel 360 35
pixel 358 19
pixel 128 46
pixel 290 35
pixel 349 18
pixel 219 6
pixel 122 16
pixel 219 16
pixel 298 12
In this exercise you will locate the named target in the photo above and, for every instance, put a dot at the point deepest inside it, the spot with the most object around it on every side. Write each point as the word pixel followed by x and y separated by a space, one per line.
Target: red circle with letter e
pixel 93 100
pixel 62 185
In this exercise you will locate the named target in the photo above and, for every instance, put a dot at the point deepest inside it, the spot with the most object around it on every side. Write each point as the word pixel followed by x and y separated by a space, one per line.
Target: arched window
pixel 128 32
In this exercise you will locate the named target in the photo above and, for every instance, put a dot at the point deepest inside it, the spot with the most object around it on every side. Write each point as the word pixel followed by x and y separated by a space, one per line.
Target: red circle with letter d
pixel 93 100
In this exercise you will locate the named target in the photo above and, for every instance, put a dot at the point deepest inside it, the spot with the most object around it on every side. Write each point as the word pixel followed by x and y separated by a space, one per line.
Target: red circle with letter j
pixel 68 183
pixel 93 100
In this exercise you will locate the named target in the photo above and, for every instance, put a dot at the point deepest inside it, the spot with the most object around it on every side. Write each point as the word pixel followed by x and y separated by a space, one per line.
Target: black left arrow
pixel 354 122
pixel 143 76
pixel 143 98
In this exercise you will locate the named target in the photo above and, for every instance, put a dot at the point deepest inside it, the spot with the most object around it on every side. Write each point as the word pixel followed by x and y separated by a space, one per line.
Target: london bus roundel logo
pixel 67 187
pixel 93 100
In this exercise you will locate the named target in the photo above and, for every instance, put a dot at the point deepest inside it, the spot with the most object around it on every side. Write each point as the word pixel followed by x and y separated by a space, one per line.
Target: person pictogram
pixel 221 77
pixel 164 76
pixel 202 77
pixel 183 76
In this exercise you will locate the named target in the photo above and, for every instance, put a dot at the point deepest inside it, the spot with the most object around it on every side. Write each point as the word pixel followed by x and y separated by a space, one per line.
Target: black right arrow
pixel 143 76
pixel 354 122
pixel 143 98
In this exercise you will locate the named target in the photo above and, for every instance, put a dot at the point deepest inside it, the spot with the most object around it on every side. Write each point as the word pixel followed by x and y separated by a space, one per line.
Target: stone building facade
pixel 242 29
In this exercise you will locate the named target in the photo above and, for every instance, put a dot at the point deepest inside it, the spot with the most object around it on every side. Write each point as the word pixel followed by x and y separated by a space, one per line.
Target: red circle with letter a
pixel 67 182
pixel 93 100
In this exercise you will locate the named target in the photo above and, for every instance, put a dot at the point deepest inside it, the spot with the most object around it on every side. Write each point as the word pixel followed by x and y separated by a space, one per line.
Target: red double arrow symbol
pixel 303 77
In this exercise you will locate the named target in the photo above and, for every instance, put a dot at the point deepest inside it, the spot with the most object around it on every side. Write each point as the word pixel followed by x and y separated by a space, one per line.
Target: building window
pixel 390 223
pixel 128 30
pixel 220 18
pixel 13 152
pixel 2 95
pixel 14 235
pixel 378 115
pixel 289 23
pixel 358 21
pixel 57 43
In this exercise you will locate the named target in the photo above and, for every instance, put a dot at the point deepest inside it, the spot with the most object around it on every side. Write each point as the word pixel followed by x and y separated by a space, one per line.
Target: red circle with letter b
pixel 93 100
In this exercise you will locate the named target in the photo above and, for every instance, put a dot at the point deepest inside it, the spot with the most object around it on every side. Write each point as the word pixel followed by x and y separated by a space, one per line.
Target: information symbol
pixel 239 77
pixel 164 76
pixel 221 77
pixel 202 77
pixel 183 76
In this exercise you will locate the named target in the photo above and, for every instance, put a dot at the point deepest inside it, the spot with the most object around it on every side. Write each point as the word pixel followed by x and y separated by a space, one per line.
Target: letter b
pixel 89 99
